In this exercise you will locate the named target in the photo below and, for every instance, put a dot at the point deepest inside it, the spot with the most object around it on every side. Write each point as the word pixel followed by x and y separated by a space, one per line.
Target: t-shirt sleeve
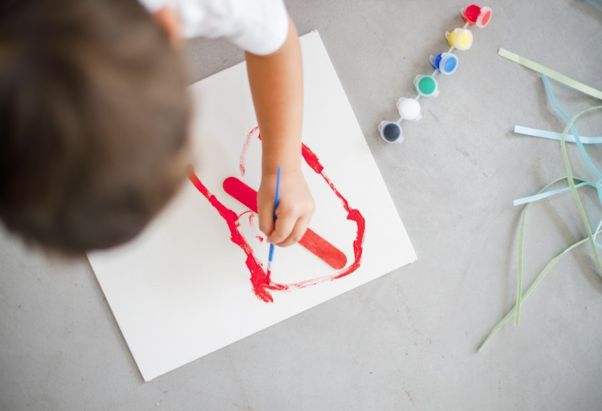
pixel 257 26
pixel 154 5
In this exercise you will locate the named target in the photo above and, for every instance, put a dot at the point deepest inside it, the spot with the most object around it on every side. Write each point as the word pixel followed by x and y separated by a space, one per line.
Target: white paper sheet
pixel 182 290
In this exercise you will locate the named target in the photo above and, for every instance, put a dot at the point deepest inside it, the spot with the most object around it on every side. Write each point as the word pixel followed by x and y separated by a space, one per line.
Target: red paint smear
pixel 352 214
pixel 250 212
pixel 245 148
pixel 260 280
pixel 313 242
pixel 258 275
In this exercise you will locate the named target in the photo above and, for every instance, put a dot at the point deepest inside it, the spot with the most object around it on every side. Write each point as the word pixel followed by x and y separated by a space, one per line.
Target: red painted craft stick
pixel 311 241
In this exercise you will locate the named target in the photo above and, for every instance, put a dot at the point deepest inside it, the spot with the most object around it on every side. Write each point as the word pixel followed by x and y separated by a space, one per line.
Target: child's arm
pixel 277 86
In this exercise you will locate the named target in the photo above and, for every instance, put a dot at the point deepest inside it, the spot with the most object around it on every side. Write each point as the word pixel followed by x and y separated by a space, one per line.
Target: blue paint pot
pixel 446 63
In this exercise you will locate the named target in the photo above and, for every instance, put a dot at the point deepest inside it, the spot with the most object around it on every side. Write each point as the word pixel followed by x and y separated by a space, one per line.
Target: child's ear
pixel 169 22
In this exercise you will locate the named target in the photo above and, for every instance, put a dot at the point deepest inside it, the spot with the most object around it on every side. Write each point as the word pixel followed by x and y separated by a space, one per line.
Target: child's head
pixel 93 121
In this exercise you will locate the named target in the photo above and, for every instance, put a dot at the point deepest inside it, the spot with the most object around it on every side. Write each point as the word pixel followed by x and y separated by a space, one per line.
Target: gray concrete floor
pixel 406 341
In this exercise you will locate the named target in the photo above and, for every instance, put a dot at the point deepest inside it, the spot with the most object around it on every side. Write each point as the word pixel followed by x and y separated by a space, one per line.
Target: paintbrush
pixel 276 202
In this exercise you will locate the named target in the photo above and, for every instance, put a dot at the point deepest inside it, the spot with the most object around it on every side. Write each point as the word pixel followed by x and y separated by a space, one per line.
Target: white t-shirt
pixel 257 26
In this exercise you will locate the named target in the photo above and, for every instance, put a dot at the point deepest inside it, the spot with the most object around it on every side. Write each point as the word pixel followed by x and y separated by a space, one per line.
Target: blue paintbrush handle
pixel 271 255
pixel 276 202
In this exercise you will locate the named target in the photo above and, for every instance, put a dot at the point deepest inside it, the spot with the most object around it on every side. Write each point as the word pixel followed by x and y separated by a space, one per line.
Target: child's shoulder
pixel 258 26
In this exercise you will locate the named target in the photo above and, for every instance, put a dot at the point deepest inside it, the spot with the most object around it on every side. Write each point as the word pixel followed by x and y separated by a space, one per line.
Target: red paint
pixel 311 241
pixel 245 148
pixel 269 276
pixel 260 238
pixel 352 214
pixel 249 212
pixel 260 280
pixel 485 16
pixel 471 13
pixel 258 275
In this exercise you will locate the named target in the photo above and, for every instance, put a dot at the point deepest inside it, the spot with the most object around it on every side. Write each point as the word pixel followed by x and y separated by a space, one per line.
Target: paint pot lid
pixel 435 60
pixel 460 38
pixel 409 108
pixel 471 13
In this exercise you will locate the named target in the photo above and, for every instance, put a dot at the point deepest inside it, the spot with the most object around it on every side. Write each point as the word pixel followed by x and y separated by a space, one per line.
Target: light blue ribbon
pixel 574 138
pixel 564 116
pixel 549 193
pixel 551 135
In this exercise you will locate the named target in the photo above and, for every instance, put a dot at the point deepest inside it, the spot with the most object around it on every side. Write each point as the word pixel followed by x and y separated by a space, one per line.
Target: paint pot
pixel 471 13
pixel 446 63
pixel 475 15
pixel 460 38
pixel 426 86
pixel 390 131
pixel 409 108
pixel 484 17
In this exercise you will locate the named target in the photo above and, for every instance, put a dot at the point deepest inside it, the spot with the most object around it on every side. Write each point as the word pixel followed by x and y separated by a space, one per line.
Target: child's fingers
pixel 283 227
pixel 266 219
pixel 298 232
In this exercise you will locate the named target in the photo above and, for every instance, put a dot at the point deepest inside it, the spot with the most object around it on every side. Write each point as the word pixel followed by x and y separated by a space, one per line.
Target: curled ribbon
pixel 573 184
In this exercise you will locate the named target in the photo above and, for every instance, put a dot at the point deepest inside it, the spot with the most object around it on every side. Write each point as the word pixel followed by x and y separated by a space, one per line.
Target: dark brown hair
pixel 93 121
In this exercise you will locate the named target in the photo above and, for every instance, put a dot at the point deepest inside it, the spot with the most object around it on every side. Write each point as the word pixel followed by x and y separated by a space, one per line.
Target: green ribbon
pixel 553 74
pixel 521 296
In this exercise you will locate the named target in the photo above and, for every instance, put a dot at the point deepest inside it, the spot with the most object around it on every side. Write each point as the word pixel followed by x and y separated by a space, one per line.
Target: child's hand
pixel 294 210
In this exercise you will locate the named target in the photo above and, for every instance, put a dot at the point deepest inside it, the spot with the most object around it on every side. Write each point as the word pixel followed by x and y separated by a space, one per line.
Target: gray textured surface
pixel 407 340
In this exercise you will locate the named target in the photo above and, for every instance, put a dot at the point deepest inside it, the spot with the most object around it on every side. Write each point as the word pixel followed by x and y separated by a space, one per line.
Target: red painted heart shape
pixel 261 282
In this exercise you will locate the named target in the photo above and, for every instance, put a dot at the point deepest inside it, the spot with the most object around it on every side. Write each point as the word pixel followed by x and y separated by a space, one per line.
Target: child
pixel 94 115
